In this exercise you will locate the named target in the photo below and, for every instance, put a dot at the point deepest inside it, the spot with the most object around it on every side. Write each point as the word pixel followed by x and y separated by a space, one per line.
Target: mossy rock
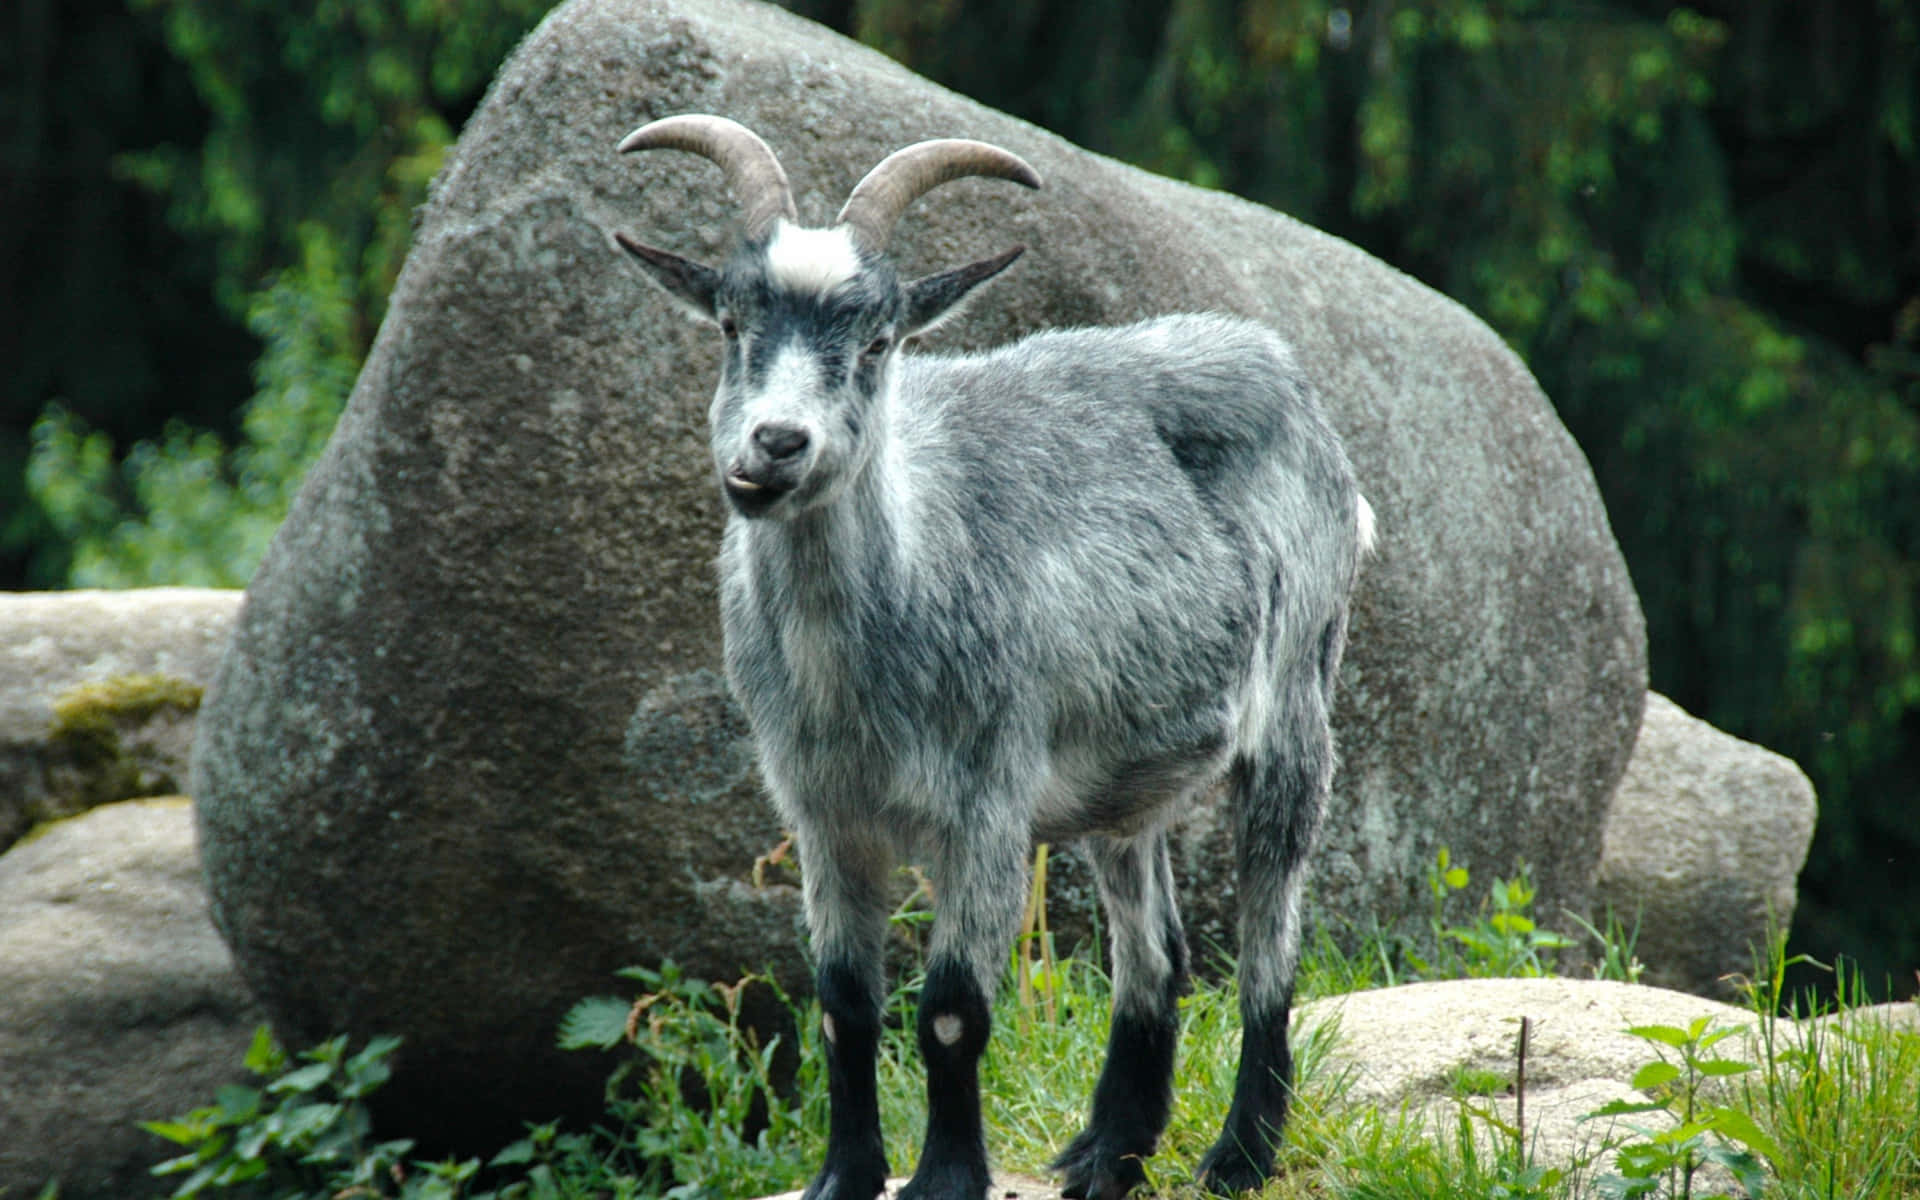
pixel 119 739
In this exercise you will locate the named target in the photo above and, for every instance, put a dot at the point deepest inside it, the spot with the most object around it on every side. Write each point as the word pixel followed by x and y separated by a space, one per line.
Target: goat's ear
pixel 694 285
pixel 937 297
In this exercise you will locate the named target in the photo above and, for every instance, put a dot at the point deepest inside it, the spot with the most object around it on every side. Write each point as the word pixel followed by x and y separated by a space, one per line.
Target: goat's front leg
pixel 980 891
pixel 844 880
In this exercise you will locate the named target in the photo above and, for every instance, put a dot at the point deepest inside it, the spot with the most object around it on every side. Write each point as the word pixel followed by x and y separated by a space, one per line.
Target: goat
pixel 1041 593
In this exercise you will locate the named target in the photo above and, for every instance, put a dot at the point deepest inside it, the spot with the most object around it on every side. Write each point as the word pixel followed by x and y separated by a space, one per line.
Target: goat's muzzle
pixel 773 464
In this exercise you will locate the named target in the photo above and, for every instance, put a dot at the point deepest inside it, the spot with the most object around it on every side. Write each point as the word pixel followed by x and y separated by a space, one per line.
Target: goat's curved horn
pixel 906 175
pixel 753 172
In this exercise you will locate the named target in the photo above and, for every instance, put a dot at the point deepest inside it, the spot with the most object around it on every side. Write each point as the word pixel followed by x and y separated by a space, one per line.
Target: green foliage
pixel 197 511
pixel 1666 1160
pixel 305 1132
pixel 693 1040
pixel 705 1108
pixel 323 113
pixel 325 123
pixel 1502 941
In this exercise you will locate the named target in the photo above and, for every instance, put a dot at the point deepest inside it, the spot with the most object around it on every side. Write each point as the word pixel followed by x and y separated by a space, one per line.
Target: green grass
pixel 1827 1110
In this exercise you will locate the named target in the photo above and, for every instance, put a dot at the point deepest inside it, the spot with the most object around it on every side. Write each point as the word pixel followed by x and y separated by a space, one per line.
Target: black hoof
pixel 862 1184
pixel 1095 1171
pixel 1228 1171
pixel 951 1181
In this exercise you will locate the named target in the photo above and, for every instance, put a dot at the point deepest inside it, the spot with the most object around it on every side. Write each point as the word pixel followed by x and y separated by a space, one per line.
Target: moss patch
pixel 88 719
pixel 107 741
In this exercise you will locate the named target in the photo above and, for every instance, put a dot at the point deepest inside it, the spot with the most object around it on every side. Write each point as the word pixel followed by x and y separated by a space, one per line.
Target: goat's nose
pixel 777 440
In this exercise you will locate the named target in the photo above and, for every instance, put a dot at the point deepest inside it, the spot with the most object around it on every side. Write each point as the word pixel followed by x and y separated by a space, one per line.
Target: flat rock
pixel 1405 1048
pixel 121 1003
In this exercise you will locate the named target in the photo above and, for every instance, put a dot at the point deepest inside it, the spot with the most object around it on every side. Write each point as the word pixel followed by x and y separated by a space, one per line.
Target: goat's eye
pixel 729 328
pixel 877 347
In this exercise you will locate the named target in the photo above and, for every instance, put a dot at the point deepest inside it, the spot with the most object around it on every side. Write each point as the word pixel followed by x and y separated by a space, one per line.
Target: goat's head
pixel 812 317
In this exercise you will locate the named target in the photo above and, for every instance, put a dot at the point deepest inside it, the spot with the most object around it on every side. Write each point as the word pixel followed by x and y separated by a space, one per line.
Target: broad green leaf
pixel 1654 1074
pixel 235 1103
pixel 514 1154
pixel 180 1133
pixel 264 1056
pixel 306 1079
pixel 1622 1108
pixel 173 1166
pixel 1744 1167
pixel 1666 1035
pixel 598 1021
pixel 1741 1127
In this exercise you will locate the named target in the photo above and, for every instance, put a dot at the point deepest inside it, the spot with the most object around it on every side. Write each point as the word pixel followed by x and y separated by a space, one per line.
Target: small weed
pixel 1502 941
pixel 700 1112
pixel 1615 943
pixel 1476 1081
pixel 1667 1161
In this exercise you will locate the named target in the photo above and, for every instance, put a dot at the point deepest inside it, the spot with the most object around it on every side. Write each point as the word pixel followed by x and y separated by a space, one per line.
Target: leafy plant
pixel 1502 941
pixel 305 1132
pixel 702 1109
pixel 1667 1160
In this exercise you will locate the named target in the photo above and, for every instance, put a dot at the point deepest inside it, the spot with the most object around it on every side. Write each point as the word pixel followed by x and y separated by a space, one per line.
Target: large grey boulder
pixel 1703 850
pixel 97 695
pixel 470 751
pixel 118 1001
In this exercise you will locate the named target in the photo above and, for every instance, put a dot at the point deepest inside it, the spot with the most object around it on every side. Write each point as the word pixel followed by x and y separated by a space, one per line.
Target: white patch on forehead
pixel 811 260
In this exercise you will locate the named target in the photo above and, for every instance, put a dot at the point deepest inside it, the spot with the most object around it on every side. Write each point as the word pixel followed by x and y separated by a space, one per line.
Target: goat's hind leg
pixel 1278 798
pixel 844 881
pixel 1135 1092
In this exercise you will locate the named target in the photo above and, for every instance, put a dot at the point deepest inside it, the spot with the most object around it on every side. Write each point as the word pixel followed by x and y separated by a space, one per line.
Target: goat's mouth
pixel 752 495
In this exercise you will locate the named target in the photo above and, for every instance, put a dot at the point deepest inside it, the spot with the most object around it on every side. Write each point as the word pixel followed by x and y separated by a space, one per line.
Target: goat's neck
pixel 835 560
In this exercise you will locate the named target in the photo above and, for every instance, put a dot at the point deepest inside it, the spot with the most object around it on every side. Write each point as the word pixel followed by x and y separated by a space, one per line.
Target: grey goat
pixel 1046 592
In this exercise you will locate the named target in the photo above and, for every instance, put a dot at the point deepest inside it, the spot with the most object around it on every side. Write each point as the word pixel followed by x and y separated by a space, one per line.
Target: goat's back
pixel 1197 428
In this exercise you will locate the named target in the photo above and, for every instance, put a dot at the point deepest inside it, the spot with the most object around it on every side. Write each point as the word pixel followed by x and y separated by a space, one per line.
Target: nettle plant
pixel 1666 1161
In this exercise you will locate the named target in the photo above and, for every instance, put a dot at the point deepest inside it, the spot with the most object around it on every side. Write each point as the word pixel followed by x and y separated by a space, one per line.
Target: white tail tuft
pixel 1363 521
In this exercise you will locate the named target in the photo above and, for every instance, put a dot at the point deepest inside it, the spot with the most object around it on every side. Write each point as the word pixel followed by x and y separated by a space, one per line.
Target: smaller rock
pixel 98 694
pixel 122 1004
pixel 1704 845
pixel 1410 1046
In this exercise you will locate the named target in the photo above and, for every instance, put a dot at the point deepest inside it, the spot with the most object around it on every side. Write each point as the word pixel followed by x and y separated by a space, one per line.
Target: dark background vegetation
pixel 1700 226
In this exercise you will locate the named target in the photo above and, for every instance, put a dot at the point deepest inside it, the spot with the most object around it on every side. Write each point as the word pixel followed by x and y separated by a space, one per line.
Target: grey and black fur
pixel 1045 592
